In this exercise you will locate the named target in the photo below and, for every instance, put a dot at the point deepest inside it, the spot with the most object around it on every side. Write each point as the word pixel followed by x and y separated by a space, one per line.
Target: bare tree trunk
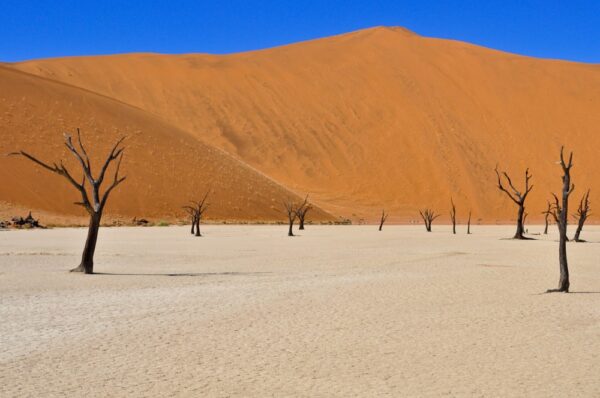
pixel 563 282
pixel 578 231
pixel 469 224
pixel 453 216
pixel 301 212
pixel 193 225
pixel 382 220
pixel 550 211
pixel 560 213
pixel 292 212
pixel 582 214
pixel 198 227
pixel 520 227
pixel 87 258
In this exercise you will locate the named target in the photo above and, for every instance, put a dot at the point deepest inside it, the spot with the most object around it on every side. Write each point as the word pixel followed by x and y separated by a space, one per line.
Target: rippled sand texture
pixel 338 311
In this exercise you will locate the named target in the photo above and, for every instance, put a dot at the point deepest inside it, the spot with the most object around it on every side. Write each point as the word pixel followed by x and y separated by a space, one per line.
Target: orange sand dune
pixel 375 118
pixel 165 166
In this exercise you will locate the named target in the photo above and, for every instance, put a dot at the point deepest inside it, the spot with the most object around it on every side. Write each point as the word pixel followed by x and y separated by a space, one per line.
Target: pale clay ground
pixel 336 312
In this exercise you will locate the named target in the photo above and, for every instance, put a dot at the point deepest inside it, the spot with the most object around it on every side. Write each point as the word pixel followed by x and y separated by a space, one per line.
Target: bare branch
pixel 86 170
pixel 201 203
pixel 114 154
pixel 565 166
pixel 60 170
pixel 384 216
pixel 501 186
pixel 83 151
pixel 53 168
pixel 116 181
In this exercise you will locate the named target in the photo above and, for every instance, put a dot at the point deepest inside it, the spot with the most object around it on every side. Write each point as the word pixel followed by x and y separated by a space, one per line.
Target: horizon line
pixel 404 30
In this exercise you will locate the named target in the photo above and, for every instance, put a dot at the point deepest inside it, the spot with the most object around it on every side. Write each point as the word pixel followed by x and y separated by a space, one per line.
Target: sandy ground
pixel 339 311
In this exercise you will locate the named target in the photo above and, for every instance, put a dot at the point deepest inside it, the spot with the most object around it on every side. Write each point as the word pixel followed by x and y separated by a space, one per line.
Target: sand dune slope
pixel 165 166
pixel 380 117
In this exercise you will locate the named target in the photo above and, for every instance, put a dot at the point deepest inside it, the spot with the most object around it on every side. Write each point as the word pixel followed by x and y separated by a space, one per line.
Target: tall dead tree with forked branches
pixel 453 215
pixel 196 210
pixel 560 211
pixel 94 205
pixel 428 216
pixel 583 212
pixel 516 196
pixel 384 217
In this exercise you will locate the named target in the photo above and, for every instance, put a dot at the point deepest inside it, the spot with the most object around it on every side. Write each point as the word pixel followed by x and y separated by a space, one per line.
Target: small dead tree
pixel 27 222
pixel 516 196
pixel 292 213
pixel 453 215
pixel 428 216
pixel 560 211
pixel 469 224
pixel 546 216
pixel 94 205
pixel 384 217
pixel 191 211
pixel 583 212
pixel 196 210
pixel 301 212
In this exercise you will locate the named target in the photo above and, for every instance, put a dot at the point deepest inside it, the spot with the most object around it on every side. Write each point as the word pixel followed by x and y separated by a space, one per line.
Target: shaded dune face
pixel 166 166
pixel 371 119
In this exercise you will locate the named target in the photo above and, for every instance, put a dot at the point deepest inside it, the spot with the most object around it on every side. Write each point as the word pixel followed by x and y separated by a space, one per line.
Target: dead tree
pixel 301 212
pixel 27 222
pixel 201 207
pixel 94 205
pixel 292 213
pixel 583 212
pixel 428 216
pixel 141 222
pixel 516 196
pixel 469 224
pixel 384 217
pixel 546 216
pixel 453 216
pixel 192 213
pixel 559 211
pixel 196 210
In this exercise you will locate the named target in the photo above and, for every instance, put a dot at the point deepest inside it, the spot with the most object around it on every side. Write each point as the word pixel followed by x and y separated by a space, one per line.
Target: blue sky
pixel 39 29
